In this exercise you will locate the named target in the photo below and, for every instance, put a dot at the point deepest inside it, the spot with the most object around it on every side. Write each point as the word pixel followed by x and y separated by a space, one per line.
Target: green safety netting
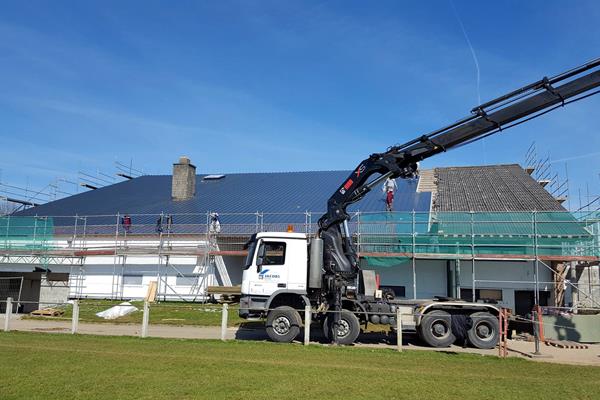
pixel 479 234
pixel 26 233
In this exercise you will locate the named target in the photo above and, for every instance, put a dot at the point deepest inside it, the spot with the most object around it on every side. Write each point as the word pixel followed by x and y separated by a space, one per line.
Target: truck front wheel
pixel 283 324
pixel 484 333
pixel 436 329
pixel 348 328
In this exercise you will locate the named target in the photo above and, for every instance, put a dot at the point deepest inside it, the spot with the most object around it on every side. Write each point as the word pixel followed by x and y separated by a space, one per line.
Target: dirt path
pixel 589 356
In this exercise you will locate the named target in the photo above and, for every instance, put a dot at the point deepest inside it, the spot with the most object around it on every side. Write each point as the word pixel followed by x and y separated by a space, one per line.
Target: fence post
pixel 536 333
pixel 7 314
pixel 145 319
pixel 307 321
pixel 75 317
pixel 224 319
pixel 399 328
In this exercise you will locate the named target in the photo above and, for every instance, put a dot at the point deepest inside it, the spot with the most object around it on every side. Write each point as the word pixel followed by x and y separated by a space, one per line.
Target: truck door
pixel 269 272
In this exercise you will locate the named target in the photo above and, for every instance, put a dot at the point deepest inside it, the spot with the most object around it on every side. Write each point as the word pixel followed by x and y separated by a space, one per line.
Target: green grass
pixel 168 313
pixel 53 366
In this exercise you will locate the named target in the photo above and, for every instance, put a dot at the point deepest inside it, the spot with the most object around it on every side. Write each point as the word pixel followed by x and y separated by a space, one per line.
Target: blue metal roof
pixel 281 192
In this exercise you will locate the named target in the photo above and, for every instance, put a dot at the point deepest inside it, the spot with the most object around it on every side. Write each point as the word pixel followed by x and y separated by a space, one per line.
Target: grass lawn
pixel 169 313
pixel 53 366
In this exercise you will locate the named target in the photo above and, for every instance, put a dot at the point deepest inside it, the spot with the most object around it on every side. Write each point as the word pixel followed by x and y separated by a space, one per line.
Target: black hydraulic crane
pixel 339 254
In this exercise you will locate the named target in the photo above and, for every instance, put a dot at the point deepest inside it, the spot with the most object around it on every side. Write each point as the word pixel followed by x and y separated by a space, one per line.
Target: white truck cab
pixel 276 262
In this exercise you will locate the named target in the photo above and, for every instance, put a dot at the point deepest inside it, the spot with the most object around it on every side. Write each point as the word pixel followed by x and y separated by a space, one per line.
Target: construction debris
pixel 117 311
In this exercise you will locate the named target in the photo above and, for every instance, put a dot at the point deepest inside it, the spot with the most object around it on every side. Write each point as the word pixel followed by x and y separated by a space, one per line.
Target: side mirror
pixel 260 257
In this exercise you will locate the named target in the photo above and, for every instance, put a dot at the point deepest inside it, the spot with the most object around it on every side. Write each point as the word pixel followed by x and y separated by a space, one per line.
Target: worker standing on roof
pixel 389 187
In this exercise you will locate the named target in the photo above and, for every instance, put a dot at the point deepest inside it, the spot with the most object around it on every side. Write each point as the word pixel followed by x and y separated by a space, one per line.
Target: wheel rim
pixel 440 329
pixel 281 325
pixel 484 331
pixel 343 329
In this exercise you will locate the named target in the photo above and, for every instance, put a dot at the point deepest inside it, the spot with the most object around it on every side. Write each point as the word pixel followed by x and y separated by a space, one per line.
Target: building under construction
pixel 487 233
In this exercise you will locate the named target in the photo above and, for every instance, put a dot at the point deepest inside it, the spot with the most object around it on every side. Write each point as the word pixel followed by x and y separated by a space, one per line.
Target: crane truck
pixel 286 271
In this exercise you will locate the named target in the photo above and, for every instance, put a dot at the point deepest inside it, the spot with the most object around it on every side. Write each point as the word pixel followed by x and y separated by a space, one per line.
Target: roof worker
pixel 389 187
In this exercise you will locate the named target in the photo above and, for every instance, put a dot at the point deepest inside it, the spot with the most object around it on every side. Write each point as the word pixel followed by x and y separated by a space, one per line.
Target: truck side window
pixel 274 253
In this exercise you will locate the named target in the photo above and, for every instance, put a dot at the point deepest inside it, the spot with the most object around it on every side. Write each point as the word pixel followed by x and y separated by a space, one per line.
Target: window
pixel 399 291
pixel 132 279
pixel 274 253
pixel 185 280
pixel 481 294
pixel 490 294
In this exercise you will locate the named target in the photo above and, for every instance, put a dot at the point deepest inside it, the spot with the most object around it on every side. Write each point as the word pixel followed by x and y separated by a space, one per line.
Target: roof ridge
pixel 260 173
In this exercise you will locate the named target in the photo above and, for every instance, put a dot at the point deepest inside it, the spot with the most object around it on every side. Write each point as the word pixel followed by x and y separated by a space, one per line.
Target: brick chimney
pixel 183 186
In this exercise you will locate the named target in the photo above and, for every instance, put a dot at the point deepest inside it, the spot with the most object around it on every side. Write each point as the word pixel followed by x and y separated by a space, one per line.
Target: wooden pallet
pixel 565 344
pixel 48 312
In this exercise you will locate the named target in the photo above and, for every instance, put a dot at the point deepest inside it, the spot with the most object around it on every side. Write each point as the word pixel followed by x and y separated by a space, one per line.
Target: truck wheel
pixel 348 329
pixel 436 329
pixel 485 333
pixel 283 324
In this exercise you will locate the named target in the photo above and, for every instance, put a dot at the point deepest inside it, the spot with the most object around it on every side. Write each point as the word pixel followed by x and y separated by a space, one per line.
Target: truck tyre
pixel 283 324
pixel 436 329
pixel 348 330
pixel 485 332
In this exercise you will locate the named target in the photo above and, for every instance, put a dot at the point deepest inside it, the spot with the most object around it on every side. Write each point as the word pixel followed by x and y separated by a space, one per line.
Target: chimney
pixel 183 186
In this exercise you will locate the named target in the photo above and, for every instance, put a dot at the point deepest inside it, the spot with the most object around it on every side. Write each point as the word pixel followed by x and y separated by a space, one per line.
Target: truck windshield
pixel 250 256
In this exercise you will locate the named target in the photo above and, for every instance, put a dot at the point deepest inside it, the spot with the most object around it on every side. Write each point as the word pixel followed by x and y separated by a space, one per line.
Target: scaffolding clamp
pixel 480 112
pixel 546 85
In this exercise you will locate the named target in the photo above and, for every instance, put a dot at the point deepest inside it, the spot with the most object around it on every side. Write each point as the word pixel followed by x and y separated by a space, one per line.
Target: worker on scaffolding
pixel 215 223
pixel 159 224
pixel 389 187
pixel 169 223
pixel 126 222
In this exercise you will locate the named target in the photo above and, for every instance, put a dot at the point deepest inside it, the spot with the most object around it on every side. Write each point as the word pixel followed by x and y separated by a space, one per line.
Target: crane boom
pixel 514 108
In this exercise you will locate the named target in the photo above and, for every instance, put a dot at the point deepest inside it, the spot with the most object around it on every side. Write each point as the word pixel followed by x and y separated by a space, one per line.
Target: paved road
pixel 589 356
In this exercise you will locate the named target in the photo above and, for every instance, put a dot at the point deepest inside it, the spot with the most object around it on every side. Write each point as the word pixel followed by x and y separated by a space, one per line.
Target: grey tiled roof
pixel 491 188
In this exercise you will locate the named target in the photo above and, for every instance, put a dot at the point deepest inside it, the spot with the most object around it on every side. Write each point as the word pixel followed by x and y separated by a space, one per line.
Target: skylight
pixel 213 177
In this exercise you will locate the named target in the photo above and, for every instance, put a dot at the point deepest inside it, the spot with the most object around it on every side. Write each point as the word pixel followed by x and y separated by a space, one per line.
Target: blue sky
pixel 279 86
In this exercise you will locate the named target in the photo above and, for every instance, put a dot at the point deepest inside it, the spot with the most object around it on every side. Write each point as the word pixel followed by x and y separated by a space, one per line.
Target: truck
pixel 285 272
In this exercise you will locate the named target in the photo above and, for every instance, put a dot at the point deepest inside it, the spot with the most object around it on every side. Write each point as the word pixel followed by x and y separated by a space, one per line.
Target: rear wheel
pixel 348 328
pixel 436 329
pixel 484 333
pixel 283 324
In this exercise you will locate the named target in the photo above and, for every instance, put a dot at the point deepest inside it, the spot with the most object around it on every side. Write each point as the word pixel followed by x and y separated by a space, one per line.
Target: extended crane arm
pixel 504 112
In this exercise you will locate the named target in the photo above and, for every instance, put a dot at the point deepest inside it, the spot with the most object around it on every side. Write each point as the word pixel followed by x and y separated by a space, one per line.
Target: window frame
pixel 266 242
pixel 133 276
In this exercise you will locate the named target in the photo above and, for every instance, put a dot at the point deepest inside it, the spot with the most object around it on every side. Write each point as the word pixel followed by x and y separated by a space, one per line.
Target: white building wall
pixel 128 277
pixel 107 276
pixel 431 277
pixel 507 276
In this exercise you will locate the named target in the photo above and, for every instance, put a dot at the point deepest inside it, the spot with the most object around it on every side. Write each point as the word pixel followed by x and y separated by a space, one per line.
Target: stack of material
pixel 47 312
pixel 565 344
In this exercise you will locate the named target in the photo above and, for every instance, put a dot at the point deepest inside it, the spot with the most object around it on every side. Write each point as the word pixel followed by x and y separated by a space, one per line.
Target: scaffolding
pixel 554 241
